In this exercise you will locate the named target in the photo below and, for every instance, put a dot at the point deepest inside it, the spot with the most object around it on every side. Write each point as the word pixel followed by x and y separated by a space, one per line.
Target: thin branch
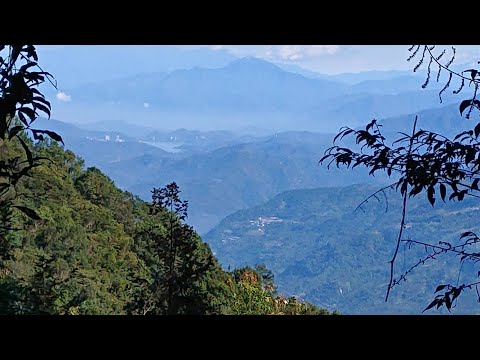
pixel 402 224
pixel 450 249
pixel 374 195
pixel 451 71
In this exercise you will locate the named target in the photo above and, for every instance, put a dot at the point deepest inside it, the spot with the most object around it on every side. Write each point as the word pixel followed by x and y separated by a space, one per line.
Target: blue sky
pixel 333 59
pixel 327 59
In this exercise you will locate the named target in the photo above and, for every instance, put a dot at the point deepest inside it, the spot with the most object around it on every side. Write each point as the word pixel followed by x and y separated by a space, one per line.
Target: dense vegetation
pixel 89 248
pixel 323 251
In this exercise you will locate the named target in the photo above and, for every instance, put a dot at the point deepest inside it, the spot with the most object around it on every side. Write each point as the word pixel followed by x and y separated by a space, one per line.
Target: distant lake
pixel 165 145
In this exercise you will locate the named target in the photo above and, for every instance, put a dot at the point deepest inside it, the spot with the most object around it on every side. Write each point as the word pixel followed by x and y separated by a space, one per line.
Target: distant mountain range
pixel 321 250
pixel 248 92
pixel 248 82
pixel 93 63
pixel 221 172
pixel 238 176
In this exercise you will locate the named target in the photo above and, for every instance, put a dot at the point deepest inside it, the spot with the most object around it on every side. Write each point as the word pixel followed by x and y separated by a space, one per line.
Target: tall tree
pixel 178 260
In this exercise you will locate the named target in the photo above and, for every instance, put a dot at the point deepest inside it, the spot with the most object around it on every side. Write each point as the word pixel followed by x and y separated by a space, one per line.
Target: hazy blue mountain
pixel 358 109
pixel 134 130
pixel 302 71
pixel 70 131
pixel 80 64
pixel 224 180
pixel 221 171
pixel 393 86
pixel 192 141
pixel 375 75
pixel 323 251
pixel 245 84
pixel 99 148
pixel 245 93
pixel 446 121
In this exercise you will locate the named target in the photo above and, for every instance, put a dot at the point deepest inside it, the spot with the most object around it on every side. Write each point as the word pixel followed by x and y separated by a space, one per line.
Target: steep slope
pixel 322 250
pixel 86 247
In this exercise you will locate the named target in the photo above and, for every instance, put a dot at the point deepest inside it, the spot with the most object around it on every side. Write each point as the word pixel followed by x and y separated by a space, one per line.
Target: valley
pixel 242 137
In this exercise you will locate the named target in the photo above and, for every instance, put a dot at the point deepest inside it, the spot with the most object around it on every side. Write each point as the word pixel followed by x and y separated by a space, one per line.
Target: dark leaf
pixel 464 105
pixel 51 134
pixel 432 304
pixel 29 112
pixel 27 151
pixel 27 211
pixel 448 301
pixel 465 234
pixel 475 184
pixel 14 131
pixel 430 192
pixel 477 130
pixel 443 192
pixel 440 288
pixel 27 66
pixel 22 118
pixel 43 108
pixel 456 292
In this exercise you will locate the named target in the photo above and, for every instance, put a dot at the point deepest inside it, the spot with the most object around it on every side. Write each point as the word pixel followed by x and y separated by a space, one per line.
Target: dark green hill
pixel 71 242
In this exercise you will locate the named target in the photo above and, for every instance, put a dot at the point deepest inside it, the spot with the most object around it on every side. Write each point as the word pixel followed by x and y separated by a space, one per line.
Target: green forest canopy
pixel 90 248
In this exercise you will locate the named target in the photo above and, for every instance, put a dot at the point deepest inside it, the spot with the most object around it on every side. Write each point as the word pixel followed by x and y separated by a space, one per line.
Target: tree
pixel 178 262
pixel 424 162
pixel 76 258
pixel 20 104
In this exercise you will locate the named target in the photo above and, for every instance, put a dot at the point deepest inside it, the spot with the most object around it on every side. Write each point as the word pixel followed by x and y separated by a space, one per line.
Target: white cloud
pixel 288 53
pixel 300 52
pixel 61 96
pixel 146 105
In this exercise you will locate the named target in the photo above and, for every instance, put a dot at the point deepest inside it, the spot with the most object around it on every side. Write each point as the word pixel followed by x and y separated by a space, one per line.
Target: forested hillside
pixel 321 249
pixel 76 244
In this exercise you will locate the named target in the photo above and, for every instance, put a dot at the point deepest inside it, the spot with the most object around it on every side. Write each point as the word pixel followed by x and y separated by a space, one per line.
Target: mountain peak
pixel 251 62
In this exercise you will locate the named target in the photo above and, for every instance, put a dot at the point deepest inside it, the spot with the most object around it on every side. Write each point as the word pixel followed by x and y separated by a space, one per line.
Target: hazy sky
pixel 332 59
